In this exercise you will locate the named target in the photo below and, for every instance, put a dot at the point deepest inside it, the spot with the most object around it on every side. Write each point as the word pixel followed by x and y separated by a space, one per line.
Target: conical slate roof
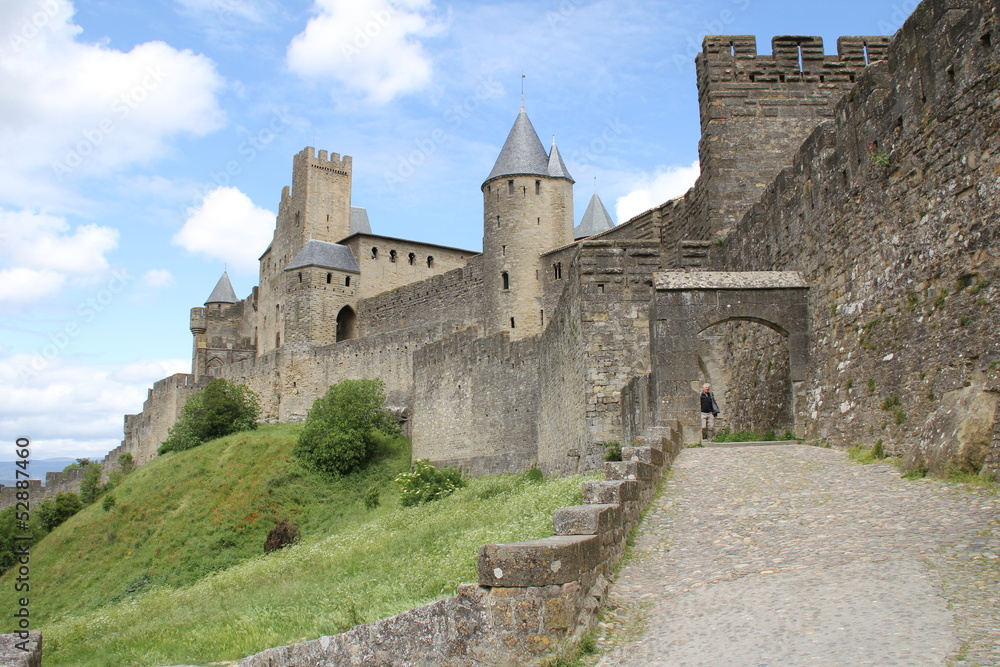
pixel 325 255
pixel 223 292
pixel 557 168
pixel 522 153
pixel 595 219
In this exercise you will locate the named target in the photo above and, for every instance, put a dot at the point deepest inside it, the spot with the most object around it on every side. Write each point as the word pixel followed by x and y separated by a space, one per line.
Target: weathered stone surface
pixel 728 280
pixel 611 492
pixel 16 651
pixel 586 519
pixel 650 455
pixel 551 560
pixel 637 470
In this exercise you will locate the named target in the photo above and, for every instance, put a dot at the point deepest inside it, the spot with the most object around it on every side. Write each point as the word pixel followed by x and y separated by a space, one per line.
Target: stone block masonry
pixel 893 206
pixel 531 597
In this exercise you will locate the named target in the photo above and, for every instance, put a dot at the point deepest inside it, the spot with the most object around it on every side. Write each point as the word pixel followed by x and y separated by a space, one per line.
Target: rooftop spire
pixel 595 219
pixel 223 292
pixel 557 168
pixel 522 153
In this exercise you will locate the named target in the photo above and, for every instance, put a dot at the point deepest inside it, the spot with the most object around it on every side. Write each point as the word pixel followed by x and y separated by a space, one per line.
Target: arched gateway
pixel 686 303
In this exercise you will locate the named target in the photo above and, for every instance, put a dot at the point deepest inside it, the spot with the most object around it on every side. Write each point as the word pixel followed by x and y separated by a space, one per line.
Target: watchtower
pixel 757 110
pixel 527 210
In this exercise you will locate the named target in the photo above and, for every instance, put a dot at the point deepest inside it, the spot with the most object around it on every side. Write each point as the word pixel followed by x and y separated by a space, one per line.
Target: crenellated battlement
pixel 325 160
pixel 793 59
pixel 756 109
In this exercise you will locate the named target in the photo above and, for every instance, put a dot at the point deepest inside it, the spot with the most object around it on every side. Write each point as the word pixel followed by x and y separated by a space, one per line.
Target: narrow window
pixel 503 250
pixel 329 278
pixel 600 288
pixel 392 256
pixel 506 280
pixel 374 253
pixel 524 190
pixel 347 281
pixel 801 69
pixel 732 49
pixel 412 257
pixel 538 221
pixel 557 270
pixel 512 323
pixel 430 261
pixel 296 218
pixel 538 187
pixel 865 48
pixel 541 317
pixel 277 339
pixel 498 222
pixel 510 187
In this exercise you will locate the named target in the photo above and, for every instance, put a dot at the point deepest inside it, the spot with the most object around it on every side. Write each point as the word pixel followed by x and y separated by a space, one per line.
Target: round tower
pixel 527 210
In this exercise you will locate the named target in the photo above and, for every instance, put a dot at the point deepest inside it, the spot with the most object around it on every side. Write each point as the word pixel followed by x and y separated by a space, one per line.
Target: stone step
pixel 630 470
pixel 650 455
pixel 546 562
pixel 591 519
pixel 610 492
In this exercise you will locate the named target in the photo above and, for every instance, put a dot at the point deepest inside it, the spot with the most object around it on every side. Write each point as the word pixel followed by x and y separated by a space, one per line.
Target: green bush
pixel 109 502
pixel 219 409
pixel 90 486
pixel 425 483
pixel 342 432
pixel 612 451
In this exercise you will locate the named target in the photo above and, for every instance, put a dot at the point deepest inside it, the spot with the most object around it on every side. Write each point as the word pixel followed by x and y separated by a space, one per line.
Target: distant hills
pixel 36 468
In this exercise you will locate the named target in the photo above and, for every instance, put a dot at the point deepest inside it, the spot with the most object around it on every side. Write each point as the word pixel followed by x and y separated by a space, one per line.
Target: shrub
pixel 371 497
pixel 342 431
pixel 425 483
pixel 108 503
pixel 612 451
pixel 126 463
pixel 51 512
pixel 219 409
pixel 279 537
pixel 534 475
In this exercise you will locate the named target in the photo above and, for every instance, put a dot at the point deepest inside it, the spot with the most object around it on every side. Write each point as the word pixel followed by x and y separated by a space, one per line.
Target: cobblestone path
pixel 794 555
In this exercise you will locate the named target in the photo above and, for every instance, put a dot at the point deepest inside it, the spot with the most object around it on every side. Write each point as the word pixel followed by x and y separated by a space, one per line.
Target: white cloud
pixel 156 278
pixel 227 226
pixel 74 409
pixel 649 191
pixel 372 46
pixel 70 109
pixel 39 252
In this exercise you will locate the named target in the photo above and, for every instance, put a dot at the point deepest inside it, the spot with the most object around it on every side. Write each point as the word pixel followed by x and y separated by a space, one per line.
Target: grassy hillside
pixel 173 573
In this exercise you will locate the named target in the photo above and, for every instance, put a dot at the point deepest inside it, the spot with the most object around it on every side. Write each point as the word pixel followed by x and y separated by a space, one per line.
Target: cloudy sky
pixel 144 145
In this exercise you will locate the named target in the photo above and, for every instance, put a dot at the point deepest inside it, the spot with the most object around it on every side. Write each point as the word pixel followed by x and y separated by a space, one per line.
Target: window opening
pixel 510 187
pixel 538 187
pixel 347 281
pixel 412 257
pixel 801 69
pixel 512 323
pixel 430 261
pixel 374 253
pixel 329 278
pixel 392 256
pixel 865 49
pixel 506 280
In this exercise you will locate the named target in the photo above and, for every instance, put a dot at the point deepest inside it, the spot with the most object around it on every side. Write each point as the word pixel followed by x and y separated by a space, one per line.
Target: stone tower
pixel 217 329
pixel 756 110
pixel 316 207
pixel 527 210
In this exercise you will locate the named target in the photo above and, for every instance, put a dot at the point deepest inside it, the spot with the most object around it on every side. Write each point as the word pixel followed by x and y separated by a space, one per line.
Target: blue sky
pixel 144 145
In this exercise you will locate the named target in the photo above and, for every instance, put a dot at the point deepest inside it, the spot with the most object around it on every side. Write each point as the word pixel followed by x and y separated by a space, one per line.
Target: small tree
pixel 126 463
pixel 219 409
pixel 340 433
pixel 90 486
pixel 279 537
pixel 51 512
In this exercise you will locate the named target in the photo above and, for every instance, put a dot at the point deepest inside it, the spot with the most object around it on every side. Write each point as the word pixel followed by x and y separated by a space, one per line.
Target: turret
pixel 527 210
pixel 595 219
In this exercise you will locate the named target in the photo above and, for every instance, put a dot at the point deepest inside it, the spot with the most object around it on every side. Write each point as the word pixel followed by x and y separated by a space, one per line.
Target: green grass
pixel 866 455
pixel 174 572
pixel 747 435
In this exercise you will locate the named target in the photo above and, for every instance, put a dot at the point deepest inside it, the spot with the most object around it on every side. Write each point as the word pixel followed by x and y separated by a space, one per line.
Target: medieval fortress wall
pixel 872 173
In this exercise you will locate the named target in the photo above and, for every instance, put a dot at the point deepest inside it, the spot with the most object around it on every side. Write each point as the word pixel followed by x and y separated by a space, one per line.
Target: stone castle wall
pixel 475 402
pixel 387 263
pixel 146 431
pixel 456 295
pixel 891 211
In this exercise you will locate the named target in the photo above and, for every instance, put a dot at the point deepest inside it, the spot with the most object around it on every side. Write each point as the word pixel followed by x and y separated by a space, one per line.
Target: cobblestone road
pixel 794 555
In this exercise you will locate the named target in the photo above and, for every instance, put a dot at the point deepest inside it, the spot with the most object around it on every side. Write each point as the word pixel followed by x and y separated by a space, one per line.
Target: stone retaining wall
pixel 532 597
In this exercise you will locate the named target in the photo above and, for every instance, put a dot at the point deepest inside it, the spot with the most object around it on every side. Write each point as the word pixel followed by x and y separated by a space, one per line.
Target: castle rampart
pixel 892 206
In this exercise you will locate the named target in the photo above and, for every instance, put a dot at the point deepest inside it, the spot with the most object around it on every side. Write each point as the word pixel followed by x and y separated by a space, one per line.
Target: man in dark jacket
pixel 709 411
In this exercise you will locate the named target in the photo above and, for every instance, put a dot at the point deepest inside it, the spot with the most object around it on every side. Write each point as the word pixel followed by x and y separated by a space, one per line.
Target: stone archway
pixel 347 324
pixel 686 303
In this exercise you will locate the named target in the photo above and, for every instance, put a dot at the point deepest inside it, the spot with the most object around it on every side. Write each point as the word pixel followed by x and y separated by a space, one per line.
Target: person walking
pixel 709 411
